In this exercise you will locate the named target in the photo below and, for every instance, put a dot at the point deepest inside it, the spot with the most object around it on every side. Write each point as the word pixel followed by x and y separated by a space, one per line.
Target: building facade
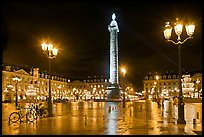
pixel 33 85
pixel 167 85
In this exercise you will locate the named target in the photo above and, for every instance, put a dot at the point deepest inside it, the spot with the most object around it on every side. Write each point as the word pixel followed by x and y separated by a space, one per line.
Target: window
pixel 169 77
pixel 164 77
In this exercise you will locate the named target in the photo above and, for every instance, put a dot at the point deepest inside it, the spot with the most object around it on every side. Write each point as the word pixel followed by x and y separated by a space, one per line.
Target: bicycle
pixel 16 116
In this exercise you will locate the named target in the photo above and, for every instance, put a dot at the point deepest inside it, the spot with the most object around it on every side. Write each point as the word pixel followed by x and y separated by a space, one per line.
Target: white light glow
pixel 190 29
pixel 178 29
pixel 113 16
pixel 55 51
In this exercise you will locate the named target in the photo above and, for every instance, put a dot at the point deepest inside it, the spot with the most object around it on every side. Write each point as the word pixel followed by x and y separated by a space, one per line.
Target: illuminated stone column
pixel 113 28
pixel 113 91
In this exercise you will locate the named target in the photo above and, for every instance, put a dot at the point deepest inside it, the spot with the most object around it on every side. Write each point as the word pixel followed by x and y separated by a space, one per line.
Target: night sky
pixel 80 31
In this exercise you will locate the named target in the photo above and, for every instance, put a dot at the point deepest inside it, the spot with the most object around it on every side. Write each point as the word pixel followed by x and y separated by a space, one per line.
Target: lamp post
pixel 10 87
pixel 51 53
pixel 197 82
pixel 16 80
pixel 157 78
pixel 123 71
pixel 167 34
pixel 59 87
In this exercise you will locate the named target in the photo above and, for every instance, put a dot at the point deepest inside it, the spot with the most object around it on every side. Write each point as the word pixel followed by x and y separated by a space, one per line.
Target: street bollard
pixel 197 115
pixel 85 120
pixel 109 109
pixel 196 120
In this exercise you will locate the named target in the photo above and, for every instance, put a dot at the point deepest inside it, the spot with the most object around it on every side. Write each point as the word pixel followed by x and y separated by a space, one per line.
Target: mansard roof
pixel 171 73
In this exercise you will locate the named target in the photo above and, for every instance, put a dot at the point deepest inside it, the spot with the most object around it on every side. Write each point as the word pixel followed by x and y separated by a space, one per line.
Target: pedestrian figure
pixel 41 108
pixel 158 102
pixel 162 101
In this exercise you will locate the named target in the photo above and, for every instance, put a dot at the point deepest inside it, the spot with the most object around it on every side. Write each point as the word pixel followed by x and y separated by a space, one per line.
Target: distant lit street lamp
pixel 197 82
pixel 51 53
pixel 167 34
pixel 59 87
pixel 157 78
pixel 16 80
pixel 123 71
pixel 10 87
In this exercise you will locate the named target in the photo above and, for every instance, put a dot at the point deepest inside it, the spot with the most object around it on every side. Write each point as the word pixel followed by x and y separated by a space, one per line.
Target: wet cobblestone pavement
pixel 109 118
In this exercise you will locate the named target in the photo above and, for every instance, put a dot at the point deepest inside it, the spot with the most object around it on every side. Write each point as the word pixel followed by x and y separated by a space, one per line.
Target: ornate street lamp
pixel 16 80
pixel 51 53
pixel 123 71
pixel 167 34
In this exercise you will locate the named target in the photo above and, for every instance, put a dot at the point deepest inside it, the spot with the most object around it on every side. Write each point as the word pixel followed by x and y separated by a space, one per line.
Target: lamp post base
pixel 50 108
pixel 181 118
pixel 181 121
pixel 124 100
pixel 113 92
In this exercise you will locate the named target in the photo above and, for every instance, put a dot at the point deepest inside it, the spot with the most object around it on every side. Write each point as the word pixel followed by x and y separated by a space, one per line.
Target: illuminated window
pixel 164 77
pixel 150 77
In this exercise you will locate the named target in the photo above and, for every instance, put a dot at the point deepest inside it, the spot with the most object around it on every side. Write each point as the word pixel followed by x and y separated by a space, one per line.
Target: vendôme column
pixel 113 91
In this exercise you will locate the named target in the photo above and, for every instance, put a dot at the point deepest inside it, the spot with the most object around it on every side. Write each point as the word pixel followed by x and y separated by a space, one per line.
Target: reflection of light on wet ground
pixel 138 118
pixel 111 124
